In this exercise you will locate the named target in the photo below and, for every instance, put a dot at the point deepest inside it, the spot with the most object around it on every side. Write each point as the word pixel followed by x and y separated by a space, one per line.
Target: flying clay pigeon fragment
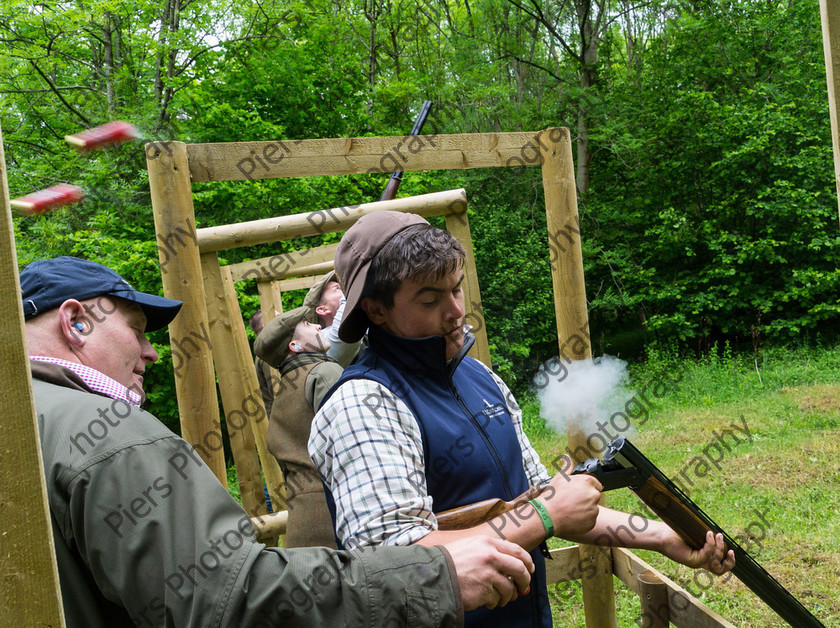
pixel 47 199
pixel 115 132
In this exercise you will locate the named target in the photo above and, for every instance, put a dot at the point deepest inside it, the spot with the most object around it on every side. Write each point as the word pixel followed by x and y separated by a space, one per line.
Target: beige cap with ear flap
pixel 313 297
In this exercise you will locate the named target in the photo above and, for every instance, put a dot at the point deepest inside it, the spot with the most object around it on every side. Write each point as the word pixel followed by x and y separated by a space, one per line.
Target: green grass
pixel 790 401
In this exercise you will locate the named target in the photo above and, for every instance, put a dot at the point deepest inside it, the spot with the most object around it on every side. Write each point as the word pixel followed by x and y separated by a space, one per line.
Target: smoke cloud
pixel 581 393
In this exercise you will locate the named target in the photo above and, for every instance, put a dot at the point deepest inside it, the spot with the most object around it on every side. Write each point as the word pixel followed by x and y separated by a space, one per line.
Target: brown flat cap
pixel 272 345
pixel 355 252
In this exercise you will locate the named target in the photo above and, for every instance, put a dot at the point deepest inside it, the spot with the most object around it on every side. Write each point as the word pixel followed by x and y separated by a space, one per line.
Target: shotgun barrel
pixel 395 179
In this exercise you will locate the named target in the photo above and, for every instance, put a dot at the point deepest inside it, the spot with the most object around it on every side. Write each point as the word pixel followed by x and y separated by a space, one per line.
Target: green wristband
pixel 543 513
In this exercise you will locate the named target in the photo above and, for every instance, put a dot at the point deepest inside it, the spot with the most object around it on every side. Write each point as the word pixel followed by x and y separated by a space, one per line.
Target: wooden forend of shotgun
pixel 471 515
pixel 468 516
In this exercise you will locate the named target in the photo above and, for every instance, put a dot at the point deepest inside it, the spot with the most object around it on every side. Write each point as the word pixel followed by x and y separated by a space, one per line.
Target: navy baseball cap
pixel 46 284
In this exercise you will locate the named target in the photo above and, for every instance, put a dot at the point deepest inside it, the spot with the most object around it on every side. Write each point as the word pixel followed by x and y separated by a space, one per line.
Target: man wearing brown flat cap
pixel 415 426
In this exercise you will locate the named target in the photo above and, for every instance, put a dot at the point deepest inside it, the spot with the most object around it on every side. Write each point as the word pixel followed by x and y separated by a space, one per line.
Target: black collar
pixel 417 355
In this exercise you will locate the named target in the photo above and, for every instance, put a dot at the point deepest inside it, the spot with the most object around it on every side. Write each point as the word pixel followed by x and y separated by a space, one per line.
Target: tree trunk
pixel 588 79
pixel 108 69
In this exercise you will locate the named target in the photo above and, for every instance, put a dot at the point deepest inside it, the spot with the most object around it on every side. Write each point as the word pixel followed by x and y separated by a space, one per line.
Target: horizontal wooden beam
pixel 276 266
pixel 299 283
pixel 323 221
pixel 271 525
pixel 237 161
pixel 564 567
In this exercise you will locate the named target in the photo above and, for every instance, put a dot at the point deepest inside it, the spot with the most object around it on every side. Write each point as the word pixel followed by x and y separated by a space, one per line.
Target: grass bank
pixel 775 479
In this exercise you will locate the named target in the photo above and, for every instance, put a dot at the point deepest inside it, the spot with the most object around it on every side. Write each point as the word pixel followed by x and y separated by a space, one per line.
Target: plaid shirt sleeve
pixel 366 445
pixel 534 469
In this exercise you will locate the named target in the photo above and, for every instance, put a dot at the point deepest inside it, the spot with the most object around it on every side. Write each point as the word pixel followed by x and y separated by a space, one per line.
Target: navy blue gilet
pixel 470 445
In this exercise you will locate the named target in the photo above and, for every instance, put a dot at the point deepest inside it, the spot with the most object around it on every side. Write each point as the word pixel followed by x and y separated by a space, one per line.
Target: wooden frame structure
pixel 830 19
pixel 29 588
pixel 192 273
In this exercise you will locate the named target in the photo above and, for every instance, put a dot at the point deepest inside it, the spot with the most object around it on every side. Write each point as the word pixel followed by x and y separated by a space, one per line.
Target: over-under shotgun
pixel 624 465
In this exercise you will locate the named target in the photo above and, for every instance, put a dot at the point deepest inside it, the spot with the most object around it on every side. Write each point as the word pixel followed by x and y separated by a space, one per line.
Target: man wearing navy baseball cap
pixel 144 532
pixel 86 318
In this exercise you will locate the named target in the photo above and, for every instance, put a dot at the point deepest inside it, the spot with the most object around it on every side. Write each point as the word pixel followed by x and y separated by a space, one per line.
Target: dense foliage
pixel 705 177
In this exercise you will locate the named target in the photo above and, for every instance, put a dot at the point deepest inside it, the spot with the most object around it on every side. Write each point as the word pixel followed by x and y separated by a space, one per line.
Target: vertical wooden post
pixel 277 294
pixel 246 378
pixel 830 14
pixel 192 357
pixel 458 225
pixel 654 601
pixel 29 588
pixel 270 300
pixel 241 436
pixel 573 334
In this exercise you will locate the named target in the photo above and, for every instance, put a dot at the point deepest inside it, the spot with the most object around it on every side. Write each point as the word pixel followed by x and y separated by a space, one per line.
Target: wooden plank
pixel 299 283
pixel 457 223
pixel 564 244
pixel 830 15
pixel 275 266
pixel 320 221
pixel 684 610
pixel 598 593
pixel 271 526
pixel 277 294
pixel 192 359
pixel 268 304
pixel 235 397
pixel 29 589
pixel 240 374
pixel 321 268
pixel 237 161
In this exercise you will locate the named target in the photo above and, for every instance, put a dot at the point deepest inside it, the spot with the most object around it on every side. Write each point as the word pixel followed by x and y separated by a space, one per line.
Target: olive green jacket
pixel 145 534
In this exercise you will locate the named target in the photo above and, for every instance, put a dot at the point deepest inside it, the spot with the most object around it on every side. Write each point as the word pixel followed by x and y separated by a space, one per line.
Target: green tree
pixel 714 202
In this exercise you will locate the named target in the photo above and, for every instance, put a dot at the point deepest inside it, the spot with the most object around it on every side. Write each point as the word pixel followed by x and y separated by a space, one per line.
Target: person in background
pixel 294 345
pixel 144 532
pixel 327 300
pixel 267 377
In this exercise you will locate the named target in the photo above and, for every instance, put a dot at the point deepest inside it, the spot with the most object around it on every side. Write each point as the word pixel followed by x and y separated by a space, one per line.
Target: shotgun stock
pixel 625 466
pixel 472 515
